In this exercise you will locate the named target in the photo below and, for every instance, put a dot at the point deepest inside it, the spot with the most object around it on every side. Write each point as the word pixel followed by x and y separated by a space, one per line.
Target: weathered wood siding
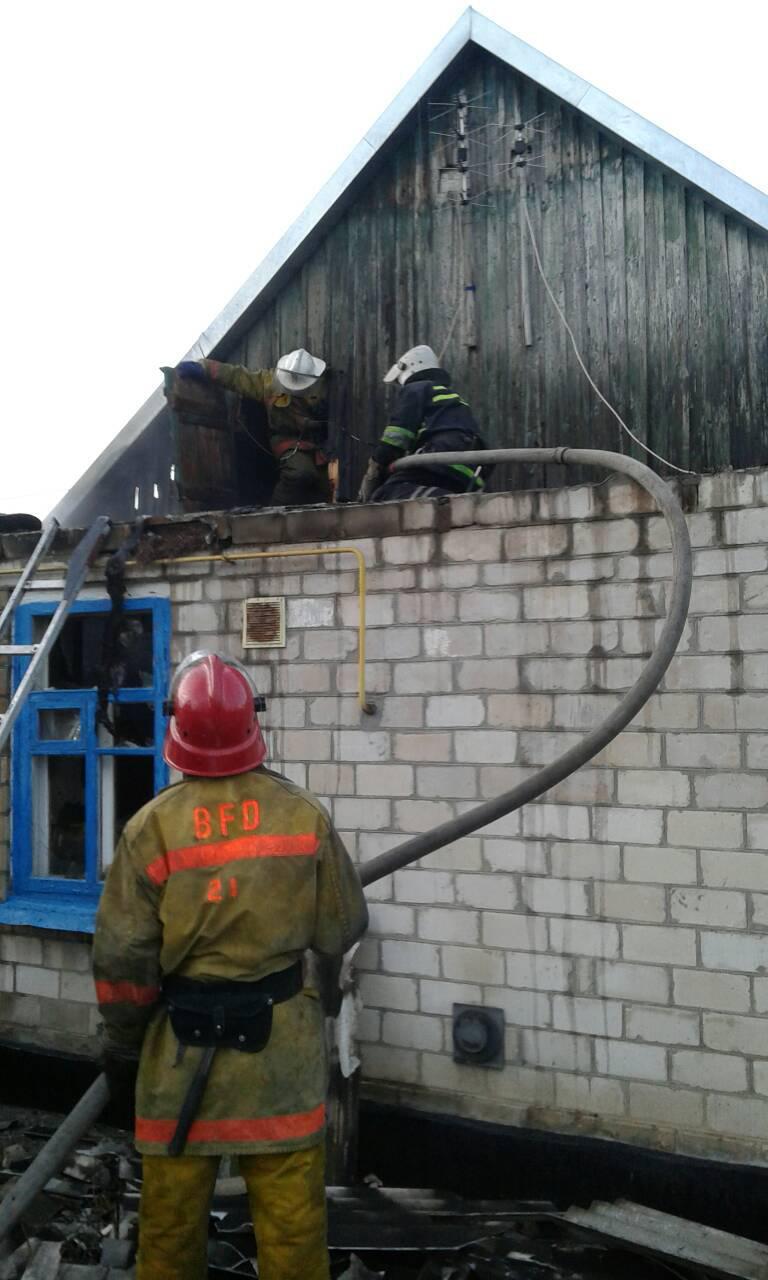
pixel 666 294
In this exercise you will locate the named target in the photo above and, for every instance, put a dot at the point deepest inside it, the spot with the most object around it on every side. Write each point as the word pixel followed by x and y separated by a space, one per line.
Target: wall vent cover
pixel 264 622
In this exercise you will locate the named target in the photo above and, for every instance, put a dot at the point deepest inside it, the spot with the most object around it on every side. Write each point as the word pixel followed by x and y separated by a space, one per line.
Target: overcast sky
pixel 154 150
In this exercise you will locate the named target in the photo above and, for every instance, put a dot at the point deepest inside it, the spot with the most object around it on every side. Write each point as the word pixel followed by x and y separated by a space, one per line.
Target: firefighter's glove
pixel 371 481
pixel 121 1067
pixel 191 369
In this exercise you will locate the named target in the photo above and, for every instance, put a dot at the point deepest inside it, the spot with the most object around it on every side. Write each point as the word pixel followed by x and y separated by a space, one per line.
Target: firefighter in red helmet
pixel 217 888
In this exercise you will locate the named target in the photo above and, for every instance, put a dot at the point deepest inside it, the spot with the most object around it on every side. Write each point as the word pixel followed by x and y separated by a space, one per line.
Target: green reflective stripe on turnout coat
pixel 225 878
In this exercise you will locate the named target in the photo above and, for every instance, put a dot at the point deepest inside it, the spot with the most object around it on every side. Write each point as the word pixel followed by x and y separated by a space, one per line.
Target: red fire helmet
pixel 213 730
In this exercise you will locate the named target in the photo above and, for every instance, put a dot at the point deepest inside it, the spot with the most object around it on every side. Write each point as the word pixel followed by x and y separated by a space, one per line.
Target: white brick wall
pixel 621 921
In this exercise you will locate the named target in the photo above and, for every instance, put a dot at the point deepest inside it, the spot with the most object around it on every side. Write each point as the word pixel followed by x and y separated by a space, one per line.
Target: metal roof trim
pixel 471 27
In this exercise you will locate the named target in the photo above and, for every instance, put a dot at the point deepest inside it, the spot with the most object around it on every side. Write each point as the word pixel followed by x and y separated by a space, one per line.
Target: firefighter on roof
pixel 295 397
pixel 218 886
pixel 429 417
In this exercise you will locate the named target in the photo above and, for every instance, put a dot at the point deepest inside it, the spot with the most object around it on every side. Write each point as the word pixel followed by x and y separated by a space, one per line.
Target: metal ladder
pixel 79 564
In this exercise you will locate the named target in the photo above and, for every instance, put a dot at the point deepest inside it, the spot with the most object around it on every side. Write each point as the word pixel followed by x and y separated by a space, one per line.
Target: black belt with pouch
pixel 222 1015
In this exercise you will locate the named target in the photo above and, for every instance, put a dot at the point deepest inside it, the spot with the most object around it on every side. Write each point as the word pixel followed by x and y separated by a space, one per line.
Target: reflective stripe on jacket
pixel 426 408
pixel 225 878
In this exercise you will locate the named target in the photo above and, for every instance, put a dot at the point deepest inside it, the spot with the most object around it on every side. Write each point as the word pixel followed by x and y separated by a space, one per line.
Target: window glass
pixel 58 724
pixel 127 782
pixel 58 816
pixel 79 653
pixel 133 724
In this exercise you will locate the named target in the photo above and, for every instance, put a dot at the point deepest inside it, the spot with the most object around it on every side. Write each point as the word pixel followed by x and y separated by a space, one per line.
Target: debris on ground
pixel 84 1226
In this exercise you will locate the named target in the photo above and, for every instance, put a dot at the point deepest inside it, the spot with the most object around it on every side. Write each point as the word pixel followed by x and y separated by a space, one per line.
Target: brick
pixel 731 791
pixel 539 972
pixel 630 1061
pixel 448 577
pixel 393 643
pixel 760 1075
pixel 585 861
pixel 21 950
pixel 447 924
pixel 384 779
pixel 699 673
pixel 746 526
pixel 521 1008
pixel 734 1033
pixel 583 711
pixel 472 964
pixel 584 569
pixel 727 489
pixel 456 711
pixel 755 592
pixel 298 677
pixel 757 751
pixel 723 991
pixel 304 744
pixel 78 986
pixel 630 902
pixel 34 981
pixel 705 828
pixel 485 746
pixel 489 606
pixel 556 602
pixel 20 1011
pixel 659 943
pixel 401 713
pixel 198 617
pixel 514 932
pixel 587 1016
pixel 657 1104
pixel 351 744
pixel 412 1030
pixel 516 855
pixel 704 750
pixel 462 855
pixel 605 538
pixel 421 815
pixel 504 639
pixel 384 992
pixel 330 646
pixel 491 674
pixel 418 515
pixel 535 541
pixel 618 980
pixel 736 560
pixel 471 544
pixel 662 1026
pixel 557 1049
pixel 490 892
pixel 543 748
pixel 709 907
pixel 587 1095
pixel 414 549
pixel 584 938
pixel 386 1062
pixel 453 642
pixel 379 611
pixel 439 997
pixel 6 977
pixel 504 508
pixel 617 825
pixel 417 958
pixel 576 502
pixel 557 674
pixel 340 583
pixel 718 1071
pixel 367 814
pixel 517 573
pixel 669 711
pixel 760 910
pixel 755 671
pixel 731 711
pixel 734 952
pixel 714 595
pixel 732 634
pixel 434 747
pixel 734 870
pixel 741 1116
pixel 331 779
pixel 423 677
pixel 388 919
pixel 424 886
pixel 559 820
pixel 555 897
pixel 305 612
pixel 662 787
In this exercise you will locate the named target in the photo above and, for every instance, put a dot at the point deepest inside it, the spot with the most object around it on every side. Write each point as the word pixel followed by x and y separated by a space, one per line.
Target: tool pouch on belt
pixel 222 1015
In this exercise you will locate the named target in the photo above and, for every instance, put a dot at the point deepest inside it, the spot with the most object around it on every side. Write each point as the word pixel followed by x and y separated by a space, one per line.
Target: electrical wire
pixel 646 448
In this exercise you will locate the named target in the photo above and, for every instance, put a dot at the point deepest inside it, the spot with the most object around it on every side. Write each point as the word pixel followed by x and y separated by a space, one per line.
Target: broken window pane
pixel 79 653
pixel 58 724
pixel 58 821
pixel 127 782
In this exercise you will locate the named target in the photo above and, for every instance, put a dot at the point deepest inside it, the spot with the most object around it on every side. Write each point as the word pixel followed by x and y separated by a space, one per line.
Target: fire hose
pixel 54 1154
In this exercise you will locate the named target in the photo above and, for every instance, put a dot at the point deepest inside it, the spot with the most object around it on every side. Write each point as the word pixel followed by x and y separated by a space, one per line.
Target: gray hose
pixel 54 1154
pixel 632 701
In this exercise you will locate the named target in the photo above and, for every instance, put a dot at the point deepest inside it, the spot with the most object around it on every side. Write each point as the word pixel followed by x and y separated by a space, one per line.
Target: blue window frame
pixel 74 784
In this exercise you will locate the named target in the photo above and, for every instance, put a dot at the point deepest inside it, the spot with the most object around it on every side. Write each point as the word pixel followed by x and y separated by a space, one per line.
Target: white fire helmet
pixel 298 371
pixel 413 361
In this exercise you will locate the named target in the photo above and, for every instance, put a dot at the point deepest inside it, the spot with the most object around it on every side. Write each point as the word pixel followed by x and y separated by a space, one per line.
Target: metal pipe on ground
pixel 53 1155
pixel 90 1106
